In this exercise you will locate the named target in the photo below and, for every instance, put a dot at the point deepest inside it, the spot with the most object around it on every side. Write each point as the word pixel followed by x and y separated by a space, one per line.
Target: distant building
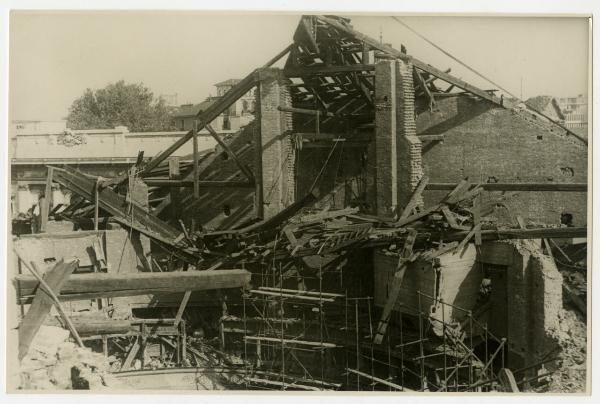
pixel 548 106
pixel 575 110
pixel 30 126
pixel 230 121
pixel 103 152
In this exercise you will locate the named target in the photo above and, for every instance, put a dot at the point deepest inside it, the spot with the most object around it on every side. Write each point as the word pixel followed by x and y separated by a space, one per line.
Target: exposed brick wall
pixel 487 143
pixel 278 154
pixel 386 136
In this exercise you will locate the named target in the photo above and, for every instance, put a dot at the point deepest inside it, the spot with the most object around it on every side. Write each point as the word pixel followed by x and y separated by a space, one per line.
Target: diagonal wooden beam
pixel 42 302
pixel 206 117
pixel 244 169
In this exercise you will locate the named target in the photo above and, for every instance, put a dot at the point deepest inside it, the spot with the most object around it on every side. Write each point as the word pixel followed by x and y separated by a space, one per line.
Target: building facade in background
pixel 235 117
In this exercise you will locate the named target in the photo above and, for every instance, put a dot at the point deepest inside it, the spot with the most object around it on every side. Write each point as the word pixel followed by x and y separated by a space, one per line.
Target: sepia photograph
pixel 298 202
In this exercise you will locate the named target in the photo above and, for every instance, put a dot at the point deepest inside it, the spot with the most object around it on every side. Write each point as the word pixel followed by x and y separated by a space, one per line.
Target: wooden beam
pixel 45 205
pixel 305 111
pixel 394 293
pixel 285 341
pixel 244 169
pixel 165 182
pixel 42 303
pixel 131 355
pixel 326 70
pixel 378 380
pixel 532 186
pixel 118 207
pixel 206 117
pixel 507 380
pixel 414 198
pixel 281 54
pixel 430 138
pixel 129 282
pixel 374 43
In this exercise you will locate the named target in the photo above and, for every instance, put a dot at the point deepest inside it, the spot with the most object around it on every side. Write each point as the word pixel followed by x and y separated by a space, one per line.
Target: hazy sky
pixel 55 56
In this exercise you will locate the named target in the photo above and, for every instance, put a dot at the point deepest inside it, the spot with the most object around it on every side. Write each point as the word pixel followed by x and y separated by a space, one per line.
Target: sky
pixel 55 56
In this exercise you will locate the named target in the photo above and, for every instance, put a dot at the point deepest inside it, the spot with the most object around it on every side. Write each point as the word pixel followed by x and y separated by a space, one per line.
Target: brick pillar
pixel 277 153
pixel 385 168
pixel 397 150
pixel 409 153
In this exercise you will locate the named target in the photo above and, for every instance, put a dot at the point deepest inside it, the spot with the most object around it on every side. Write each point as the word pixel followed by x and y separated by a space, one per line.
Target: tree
pixel 120 104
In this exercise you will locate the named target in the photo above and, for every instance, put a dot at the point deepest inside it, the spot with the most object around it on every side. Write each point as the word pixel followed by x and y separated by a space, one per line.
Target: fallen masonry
pixel 367 231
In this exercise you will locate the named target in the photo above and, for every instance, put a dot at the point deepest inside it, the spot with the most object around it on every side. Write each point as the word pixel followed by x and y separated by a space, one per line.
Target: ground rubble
pixel 55 363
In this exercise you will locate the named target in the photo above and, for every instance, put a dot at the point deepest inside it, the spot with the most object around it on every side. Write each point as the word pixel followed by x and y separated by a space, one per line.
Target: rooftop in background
pixel 187 110
pixel 228 83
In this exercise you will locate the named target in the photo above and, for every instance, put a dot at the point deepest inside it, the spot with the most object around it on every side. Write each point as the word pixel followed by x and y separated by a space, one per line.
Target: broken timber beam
pixel 376 44
pixel 107 284
pixel 42 303
pixel 118 207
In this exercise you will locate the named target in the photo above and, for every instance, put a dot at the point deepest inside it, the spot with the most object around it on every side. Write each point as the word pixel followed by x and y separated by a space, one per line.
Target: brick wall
pixel 278 155
pixel 488 144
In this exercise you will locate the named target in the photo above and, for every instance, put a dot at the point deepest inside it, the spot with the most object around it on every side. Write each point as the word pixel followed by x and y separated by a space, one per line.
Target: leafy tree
pixel 131 105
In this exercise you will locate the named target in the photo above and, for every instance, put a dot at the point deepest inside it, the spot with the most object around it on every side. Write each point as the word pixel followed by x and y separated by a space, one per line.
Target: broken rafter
pixel 337 24
pixel 123 210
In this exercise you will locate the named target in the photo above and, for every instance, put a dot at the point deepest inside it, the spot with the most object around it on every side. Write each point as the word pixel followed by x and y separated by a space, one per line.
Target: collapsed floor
pixel 320 248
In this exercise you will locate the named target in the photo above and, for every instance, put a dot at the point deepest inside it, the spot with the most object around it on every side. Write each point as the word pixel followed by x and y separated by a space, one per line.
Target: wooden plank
pixel 468 237
pixel 394 293
pixel 174 281
pixel 45 203
pixel 42 303
pixel 477 219
pixel 456 194
pixel 182 306
pixel 131 355
pixel 285 341
pixel 507 380
pixel 292 296
pixel 378 380
pixel 414 198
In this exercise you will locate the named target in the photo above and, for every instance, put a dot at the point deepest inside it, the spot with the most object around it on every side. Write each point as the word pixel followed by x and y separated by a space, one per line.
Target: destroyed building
pixel 380 225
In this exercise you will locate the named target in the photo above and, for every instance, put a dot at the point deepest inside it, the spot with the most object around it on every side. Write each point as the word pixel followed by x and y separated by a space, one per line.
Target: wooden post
pixel 174 174
pixel 196 173
pixel 45 296
pixel 96 207
pixel 45 203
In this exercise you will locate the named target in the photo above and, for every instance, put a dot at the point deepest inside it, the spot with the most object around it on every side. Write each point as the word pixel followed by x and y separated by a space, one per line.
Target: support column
pixel 276 151
pixel 409 148
pixel 385 167
pixel 397 166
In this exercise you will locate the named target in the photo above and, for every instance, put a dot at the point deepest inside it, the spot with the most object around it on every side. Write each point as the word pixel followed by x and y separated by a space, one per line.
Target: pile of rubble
pixel 54 363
